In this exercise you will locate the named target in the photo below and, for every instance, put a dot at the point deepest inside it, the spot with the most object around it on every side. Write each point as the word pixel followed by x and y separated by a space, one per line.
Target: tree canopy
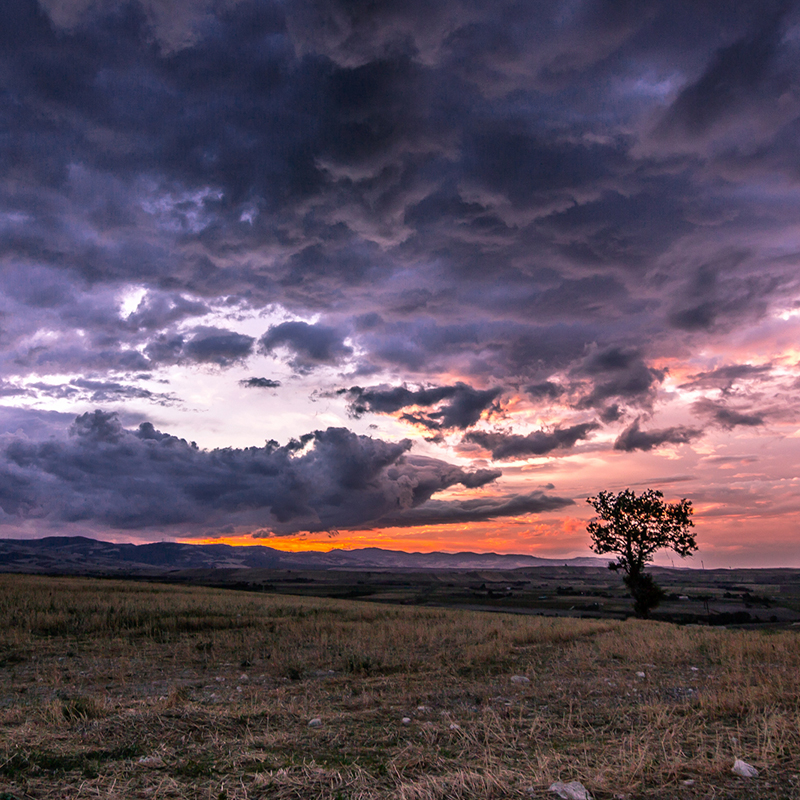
pixel 635 527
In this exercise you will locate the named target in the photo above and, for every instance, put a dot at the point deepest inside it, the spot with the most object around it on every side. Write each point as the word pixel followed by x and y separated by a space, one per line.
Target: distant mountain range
pixel 80 555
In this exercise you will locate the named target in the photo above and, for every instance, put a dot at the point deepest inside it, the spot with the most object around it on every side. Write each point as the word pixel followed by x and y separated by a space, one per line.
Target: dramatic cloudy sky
pixel 421 275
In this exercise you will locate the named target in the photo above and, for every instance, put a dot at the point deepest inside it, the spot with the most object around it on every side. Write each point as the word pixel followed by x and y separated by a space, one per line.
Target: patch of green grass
pixel 200 767
pixel 55 763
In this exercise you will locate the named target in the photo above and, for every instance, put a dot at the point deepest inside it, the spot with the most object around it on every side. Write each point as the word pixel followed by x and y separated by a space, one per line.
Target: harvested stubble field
pixel 122 690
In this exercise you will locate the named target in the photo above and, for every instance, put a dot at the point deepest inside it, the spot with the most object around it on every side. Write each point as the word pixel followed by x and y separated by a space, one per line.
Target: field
pixel 768 597
pixel 135 690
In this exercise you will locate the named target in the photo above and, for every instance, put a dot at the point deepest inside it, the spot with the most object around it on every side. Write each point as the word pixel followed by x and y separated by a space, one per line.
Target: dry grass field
pixel 111 689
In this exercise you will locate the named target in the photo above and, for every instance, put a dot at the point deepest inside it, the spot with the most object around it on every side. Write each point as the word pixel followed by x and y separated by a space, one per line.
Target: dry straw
pixel 114 689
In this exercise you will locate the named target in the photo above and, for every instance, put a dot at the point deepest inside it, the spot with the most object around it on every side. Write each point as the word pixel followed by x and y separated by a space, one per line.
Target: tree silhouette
pixel 634 528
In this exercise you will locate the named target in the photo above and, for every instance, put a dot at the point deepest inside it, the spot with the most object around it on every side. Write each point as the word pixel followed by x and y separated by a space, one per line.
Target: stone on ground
pixel 743 769
pixel 571 791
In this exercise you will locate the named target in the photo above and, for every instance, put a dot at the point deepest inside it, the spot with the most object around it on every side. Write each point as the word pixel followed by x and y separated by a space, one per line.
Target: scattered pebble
pixel 244 677
pixel 641 674
pixel 688 782
pixel 423 708
pixel 520 679
pixel 406 720
pixel 454 726
pixel 695 669
pixel 744 770
pixel 315 723
pixel 573 790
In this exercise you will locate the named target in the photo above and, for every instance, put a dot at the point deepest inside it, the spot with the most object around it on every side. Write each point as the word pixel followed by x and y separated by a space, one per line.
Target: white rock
pixel 151 761
pixel 520 679
pixel 454 726
pixel 641 675
pixel 688 782
pixel 695 669
pixel 406 720
pixel 743 769
pixel 314 723
pixel 244 677
pixel 571 791
pixel 423 708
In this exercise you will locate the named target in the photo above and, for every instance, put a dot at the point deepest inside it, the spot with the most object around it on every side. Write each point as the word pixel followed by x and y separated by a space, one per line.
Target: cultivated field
pixel 124 690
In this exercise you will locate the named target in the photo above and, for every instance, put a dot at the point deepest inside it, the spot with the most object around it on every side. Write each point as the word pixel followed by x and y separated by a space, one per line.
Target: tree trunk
pixel 646 593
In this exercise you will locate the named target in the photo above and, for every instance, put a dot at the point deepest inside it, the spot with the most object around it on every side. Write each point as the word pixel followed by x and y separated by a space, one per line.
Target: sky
pixel 422 276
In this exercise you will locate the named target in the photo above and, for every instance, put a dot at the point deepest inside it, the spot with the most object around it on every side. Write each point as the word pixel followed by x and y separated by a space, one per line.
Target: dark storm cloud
pixel 505 446
pixel 259 383
pixel 311 345
pixel 461 405
pixel 509 159
pixel 158 310
pixel 720 292
pixel 353 144
pixel 437 512
pixel 105 474
pixel 724 378
pixel 546 390
pixel 618 374
pixel 480 347
pixel 734 78
pixel 727 417
pixel 633 438
pixel 217 346
pixel 204 345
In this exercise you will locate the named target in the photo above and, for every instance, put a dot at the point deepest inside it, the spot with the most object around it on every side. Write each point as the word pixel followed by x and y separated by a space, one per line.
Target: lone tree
pixel 634 528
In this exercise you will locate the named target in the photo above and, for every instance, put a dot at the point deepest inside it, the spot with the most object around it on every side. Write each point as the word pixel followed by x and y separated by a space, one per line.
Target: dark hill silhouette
pixel 81 555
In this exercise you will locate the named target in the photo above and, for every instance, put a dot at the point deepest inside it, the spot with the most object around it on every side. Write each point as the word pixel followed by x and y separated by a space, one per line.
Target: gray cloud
pixel 633 438
pixel 460 405
pixel 620 374
pixel 101 391
pixel 216 346
pixel 727 417
pixel 374 162
pixel 546 390
pixel 260 383
pixel 724 378
pixel 437 512
pixel 312 345
pixel 203 345
pixel 105 474
pixel 734 79
pixel 539 443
